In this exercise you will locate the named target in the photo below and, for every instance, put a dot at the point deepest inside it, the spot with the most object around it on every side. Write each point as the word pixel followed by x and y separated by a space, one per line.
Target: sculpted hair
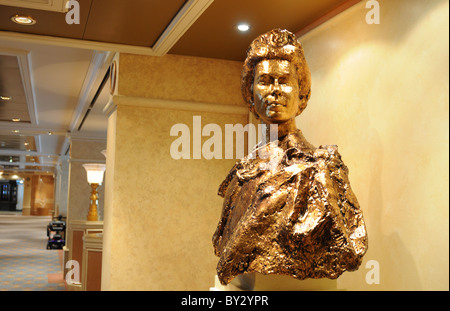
pixel 276 44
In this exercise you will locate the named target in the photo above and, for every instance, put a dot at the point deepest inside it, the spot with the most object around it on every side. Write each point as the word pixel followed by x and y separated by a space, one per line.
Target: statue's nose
pixel 276 89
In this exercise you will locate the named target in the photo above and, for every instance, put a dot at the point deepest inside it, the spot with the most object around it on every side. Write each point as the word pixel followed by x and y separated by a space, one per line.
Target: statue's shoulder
pixel 224 185
pixel 331 159
pixel 327 152
pixel 243 170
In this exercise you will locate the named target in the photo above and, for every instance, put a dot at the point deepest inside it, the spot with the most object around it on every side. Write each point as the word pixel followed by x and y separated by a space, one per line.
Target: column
pixel 161 212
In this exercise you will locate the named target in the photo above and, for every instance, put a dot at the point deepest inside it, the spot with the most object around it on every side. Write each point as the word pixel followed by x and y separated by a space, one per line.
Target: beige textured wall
pixel 161 213
pixel 184 78
pixel 82 152
pixel 380 92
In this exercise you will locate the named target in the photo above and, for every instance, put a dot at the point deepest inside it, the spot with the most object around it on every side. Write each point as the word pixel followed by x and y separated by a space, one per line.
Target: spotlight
pixel 23 20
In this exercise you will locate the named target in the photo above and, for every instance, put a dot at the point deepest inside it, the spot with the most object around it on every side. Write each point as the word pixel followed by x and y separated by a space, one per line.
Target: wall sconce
pixel 95 178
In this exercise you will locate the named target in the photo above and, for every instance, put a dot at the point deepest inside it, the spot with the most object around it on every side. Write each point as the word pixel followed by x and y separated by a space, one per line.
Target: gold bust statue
pixel 298 216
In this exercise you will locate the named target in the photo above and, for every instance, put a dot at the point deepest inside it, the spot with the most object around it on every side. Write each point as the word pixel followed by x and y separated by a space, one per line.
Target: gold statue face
pixel 276 91
pixel 276 44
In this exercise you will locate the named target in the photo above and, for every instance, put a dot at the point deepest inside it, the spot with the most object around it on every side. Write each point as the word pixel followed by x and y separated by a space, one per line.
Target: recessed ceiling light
pixel 15 131
pixel 243 27
pixel 23 20
pixel 5 97
pixel 15 119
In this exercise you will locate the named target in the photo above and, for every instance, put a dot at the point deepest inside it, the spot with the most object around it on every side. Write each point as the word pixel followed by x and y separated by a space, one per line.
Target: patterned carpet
pixel 25 263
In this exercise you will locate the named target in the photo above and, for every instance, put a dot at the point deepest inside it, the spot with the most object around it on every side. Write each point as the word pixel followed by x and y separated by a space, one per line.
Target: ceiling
pixel 52 72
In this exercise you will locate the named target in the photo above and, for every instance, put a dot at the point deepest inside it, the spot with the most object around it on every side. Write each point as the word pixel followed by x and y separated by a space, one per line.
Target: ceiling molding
pixel 74 43
pixel 65 146
pixel 329 15
pixel 110 107
pixel 87 137
pixel 27 164
pixel 97 68
pixel 38 143
pixel 14 152
pixel 27 79
pixel 46 5
pixel 179 25
pixel 87 160
pixel 188 14
pixel 25 67
pixel 8 171
pixel 28 129
pixel 100 63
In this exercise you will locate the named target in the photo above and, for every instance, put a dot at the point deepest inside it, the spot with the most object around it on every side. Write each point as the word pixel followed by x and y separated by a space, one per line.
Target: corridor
pixel 25 263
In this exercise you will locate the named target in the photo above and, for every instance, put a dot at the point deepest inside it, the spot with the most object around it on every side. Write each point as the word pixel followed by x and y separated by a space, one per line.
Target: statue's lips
pixel 274 105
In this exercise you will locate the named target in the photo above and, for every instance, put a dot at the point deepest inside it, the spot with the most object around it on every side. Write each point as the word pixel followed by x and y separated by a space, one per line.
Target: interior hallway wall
pixel 380 92
pixel 82 152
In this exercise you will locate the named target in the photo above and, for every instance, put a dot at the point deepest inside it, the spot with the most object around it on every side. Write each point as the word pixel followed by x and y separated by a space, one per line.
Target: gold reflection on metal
pixel 92 213
pixel 293 212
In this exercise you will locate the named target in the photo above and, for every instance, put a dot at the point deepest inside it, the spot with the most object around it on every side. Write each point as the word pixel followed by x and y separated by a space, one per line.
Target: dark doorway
pixel 8 195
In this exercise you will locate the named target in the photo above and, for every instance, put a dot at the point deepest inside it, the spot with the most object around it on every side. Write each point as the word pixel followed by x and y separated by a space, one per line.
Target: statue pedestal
pixel 260 282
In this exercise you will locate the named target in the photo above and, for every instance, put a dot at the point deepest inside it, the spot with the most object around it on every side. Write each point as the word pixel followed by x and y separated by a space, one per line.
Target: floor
pixel 25 262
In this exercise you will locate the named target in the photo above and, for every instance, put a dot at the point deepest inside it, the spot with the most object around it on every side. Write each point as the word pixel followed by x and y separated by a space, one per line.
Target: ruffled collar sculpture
pixel 292 211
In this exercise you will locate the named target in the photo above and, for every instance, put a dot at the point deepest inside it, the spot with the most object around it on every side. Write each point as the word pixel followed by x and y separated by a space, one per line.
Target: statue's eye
pixel 265 80
pixel 283 80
